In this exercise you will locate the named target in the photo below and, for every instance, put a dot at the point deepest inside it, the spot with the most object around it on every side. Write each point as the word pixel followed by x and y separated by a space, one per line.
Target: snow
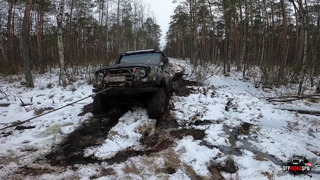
pixel 195 155
pixel 124 135
pixel 275 133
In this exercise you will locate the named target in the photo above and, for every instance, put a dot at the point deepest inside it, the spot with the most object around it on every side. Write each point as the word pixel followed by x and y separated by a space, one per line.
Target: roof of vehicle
pixel 144 51
pixel 140 51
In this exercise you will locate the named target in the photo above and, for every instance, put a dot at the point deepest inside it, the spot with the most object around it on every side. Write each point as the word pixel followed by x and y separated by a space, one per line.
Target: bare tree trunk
pixel 118 28
pixel 2 49
pixel 213 31
pixel 195 39
pixel 40 38
pixel 107 28
pixel 283 57
pixel 62 80
pixel 25 44
pixel 191 31
pixel 10 52
pixel 303 41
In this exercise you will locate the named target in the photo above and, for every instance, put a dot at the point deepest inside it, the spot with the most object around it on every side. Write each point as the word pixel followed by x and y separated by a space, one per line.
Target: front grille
pixel 127 72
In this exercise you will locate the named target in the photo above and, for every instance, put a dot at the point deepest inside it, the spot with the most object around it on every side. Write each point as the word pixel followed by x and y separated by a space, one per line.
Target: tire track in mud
pixel 93 132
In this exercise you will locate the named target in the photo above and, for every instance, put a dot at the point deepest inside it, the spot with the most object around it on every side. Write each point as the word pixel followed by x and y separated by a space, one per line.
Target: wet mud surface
pixel 94 131
pixel 91 133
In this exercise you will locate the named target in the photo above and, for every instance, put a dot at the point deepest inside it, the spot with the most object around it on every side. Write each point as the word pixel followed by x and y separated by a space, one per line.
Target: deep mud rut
pixel 94 131
pixel 167 130
pixel 91 133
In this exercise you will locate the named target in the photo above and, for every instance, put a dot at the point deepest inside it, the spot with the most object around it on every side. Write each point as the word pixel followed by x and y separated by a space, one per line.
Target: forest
pixel 39 34
pixel 231 90
pixel 281 38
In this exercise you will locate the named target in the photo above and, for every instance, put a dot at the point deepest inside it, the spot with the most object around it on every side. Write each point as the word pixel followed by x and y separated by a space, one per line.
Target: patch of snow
pixel 195 155
pixel 122 136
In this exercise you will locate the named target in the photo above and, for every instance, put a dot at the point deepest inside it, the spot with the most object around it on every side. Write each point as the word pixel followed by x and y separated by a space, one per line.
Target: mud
pixel 202 123
pixel 167 121
pixel 195 133
pixel 70 151
pixel 180 85
pixel 94 131
pixel 228 166
pixel 86 109
pixel 156 144
pixel 29 171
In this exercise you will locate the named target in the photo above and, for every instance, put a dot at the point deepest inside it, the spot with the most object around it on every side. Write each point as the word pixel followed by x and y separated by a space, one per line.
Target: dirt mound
pixel 180 85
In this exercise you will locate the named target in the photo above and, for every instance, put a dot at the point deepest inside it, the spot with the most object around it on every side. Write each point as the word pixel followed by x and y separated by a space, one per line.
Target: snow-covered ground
pixel 257 136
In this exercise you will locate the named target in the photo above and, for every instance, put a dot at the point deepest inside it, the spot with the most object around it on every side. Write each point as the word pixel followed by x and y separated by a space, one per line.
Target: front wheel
pixel 156 104
pixel 99 104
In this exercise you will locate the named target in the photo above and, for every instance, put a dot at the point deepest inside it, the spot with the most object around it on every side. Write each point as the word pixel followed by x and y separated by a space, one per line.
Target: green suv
pixel 138 77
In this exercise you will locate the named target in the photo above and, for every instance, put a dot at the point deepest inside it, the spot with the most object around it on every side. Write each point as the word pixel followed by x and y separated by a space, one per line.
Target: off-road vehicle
pixel 137 77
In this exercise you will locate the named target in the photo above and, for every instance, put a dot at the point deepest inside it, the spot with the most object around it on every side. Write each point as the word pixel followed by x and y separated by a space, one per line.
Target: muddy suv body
pixel 137 77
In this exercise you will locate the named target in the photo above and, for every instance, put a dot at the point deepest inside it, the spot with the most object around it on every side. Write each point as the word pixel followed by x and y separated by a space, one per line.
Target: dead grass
pixel 9 159
pixel 150 163
pixel 39 111
pixel 107 172
pixel 260 157
pixel 191 173
pixel 34 171
pixel 293 125
pixel 146 129
pixel 112 133
pixel 131 169
pixel 171 159
pixel 255 129
pixel 313 100
pixel 270 176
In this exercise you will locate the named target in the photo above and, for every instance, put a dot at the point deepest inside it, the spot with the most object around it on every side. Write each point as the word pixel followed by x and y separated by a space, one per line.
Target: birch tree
pixel 62 80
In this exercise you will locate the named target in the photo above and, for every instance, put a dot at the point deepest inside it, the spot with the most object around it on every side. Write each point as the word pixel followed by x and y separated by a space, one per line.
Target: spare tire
pixel 157 104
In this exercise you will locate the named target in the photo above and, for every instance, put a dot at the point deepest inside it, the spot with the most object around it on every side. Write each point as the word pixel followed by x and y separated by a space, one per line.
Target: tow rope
pixel 35 117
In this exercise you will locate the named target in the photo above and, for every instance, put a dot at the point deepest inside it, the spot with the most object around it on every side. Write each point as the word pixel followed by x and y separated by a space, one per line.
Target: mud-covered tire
pixel 99 104
pixel 157 104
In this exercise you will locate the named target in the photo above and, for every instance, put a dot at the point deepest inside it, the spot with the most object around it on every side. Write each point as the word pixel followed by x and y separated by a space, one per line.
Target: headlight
pixel 100 76
pixel 142 73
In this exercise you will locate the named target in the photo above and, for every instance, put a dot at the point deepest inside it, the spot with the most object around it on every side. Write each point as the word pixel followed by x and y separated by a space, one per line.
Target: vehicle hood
pixel 127 65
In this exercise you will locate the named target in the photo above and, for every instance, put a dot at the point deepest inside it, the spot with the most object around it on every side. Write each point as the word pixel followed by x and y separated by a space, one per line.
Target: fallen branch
pixel 4 104
pixel 28 120
pixel 4 95
pixel 292 98
pixel 25 104
pixel 303 111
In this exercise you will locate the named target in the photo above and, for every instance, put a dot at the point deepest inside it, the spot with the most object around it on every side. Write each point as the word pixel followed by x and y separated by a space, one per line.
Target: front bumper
pixel 126 90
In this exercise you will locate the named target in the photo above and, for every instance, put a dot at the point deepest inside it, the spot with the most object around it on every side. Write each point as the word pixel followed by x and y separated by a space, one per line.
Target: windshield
pixel 150 58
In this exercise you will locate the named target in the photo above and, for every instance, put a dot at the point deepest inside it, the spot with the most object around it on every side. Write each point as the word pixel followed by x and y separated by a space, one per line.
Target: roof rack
pixel 140 51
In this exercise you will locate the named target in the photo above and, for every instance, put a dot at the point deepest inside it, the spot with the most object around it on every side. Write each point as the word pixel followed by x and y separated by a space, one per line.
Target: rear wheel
pixel 157 104
pixel 99 104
